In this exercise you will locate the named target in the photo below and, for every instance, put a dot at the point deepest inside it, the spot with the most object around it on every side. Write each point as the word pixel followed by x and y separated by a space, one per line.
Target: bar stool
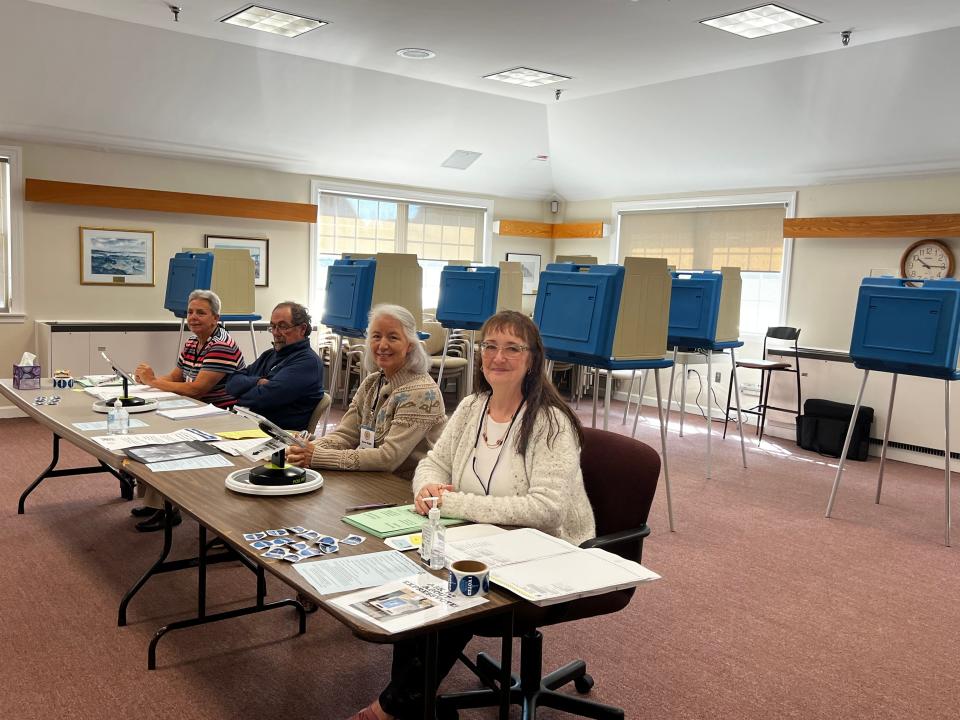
pixel 767 368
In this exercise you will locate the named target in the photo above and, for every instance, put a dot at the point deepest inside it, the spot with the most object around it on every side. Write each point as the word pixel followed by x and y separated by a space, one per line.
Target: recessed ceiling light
pixel 460 159
pixel 257 17
pixel 526 77
pixel 416 53
pixel 760 21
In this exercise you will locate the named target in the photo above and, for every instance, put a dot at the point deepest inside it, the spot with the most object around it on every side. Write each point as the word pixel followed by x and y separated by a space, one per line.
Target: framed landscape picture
pixel 530 267
pixel 259 249
pixel 116 257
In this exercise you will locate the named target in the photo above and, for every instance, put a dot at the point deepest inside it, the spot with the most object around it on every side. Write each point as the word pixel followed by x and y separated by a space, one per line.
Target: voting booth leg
pixel 946 461
pixel 606 397
pixel 663 448
pixel 183 320
pixel 470 354
pixel 443 360
pixel 886 435
pixel 846 443
pixel 709 407
pixel 626 408
pixel 643 387
pixel 335 369
pixel 683 397
pixel 673 372
pixel 733 379
pixel 596 389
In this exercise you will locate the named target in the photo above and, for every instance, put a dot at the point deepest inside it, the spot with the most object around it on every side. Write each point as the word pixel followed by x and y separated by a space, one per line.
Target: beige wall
pixel 825 273
pixel 51 235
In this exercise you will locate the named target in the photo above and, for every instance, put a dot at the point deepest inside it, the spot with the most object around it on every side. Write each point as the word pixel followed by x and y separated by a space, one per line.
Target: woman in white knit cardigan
pixel 510 455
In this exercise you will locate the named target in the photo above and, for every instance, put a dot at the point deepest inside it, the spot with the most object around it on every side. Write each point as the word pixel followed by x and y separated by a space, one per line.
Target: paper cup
pixel 469 578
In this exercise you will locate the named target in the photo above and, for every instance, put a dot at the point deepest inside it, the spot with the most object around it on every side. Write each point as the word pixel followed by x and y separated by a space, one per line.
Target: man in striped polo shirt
pixel 206 361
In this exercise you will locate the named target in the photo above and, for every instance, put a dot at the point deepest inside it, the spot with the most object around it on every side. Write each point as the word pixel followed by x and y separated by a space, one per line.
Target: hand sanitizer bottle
pixel 118 419
pixel 426 535
pixel 438 539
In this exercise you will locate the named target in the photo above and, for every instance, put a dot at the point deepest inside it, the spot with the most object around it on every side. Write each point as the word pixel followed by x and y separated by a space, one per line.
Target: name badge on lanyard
pixel 367 437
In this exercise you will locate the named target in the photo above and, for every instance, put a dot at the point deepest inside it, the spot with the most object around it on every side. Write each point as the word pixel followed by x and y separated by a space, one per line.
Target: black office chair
pixel 620 475
pixel 767 368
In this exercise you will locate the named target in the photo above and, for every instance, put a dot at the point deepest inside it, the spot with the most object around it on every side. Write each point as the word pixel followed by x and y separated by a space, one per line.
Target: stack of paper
pixel 387 522
pixel 546 570
pixel 191 412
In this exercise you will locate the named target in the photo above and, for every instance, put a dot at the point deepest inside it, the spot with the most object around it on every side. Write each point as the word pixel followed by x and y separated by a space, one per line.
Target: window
pixel 364 224
pixel 11 267
pixel 709 233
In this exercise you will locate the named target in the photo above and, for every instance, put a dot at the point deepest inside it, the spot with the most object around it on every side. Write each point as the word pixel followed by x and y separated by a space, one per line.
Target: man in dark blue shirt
pixel 285 383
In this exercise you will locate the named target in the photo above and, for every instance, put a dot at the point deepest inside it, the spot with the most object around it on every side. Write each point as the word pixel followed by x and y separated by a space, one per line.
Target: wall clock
pixel 927 260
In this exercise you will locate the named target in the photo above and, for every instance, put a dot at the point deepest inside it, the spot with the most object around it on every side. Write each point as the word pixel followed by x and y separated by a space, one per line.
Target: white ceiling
pixel 604 45
pixel 659 104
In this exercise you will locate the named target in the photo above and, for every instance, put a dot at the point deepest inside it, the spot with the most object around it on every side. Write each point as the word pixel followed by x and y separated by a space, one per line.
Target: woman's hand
pixel 300 456
pixel 428 491
pixel 144 374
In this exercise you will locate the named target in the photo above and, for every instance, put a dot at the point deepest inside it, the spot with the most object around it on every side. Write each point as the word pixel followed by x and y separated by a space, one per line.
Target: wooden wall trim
pixel 875 226
pixel 67 193
pixel 549 231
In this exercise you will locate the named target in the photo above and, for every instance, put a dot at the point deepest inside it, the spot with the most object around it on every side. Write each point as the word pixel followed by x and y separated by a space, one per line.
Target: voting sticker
pixel 278 542
pixel 309 552
pixel 277 533
pixel 292 557
pixel 260 545
pixel 250 537
pixel 353 539
pixel 327 540
pixel 328 549
pixel 298 546
pixel 275 553
pixel 297 529
pixel 309 535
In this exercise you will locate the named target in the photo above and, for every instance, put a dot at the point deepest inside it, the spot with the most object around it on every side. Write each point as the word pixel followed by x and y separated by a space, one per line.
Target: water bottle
pixel 118 419
pixel 426 536
pixel 438 540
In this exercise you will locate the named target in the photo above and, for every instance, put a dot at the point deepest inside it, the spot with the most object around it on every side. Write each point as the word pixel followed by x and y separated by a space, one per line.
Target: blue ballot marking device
pixel 349 293
pixel 694 308
pixel 468 296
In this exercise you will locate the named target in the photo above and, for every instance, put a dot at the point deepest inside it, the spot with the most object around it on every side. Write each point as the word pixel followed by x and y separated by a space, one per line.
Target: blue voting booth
pixel 189 271
pixel 695 302
pixel 468 296
pixel 348 297
pixel 905 330
pixel 576 311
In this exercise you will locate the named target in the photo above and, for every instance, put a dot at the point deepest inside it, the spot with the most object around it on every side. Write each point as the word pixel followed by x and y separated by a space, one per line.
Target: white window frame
pixel 380 192
pixel 786 199
pixel 16 313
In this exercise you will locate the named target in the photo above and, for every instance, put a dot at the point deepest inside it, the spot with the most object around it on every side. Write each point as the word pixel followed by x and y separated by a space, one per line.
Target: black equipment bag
pixel 823 428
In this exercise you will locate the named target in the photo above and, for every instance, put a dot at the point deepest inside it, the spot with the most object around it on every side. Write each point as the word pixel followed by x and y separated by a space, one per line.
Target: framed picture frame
pixel 259 249
pixel 530 267
pixel 111 256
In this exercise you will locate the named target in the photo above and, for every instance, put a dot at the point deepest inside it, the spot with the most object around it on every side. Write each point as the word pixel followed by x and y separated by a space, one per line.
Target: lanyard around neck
pixel 476 441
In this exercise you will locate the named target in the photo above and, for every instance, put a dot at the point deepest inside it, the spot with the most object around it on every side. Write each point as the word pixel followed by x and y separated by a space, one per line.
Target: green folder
pixel 387 522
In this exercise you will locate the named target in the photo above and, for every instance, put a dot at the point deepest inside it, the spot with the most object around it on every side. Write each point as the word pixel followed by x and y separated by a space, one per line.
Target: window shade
pixel 750 238
pixel 4 234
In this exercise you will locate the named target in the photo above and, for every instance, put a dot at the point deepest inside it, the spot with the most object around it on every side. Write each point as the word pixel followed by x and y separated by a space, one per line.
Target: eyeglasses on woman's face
pixel 510 351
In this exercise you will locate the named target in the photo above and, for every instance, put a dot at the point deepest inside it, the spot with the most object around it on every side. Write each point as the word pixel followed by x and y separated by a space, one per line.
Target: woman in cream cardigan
pixel 397 413
pixel 510 455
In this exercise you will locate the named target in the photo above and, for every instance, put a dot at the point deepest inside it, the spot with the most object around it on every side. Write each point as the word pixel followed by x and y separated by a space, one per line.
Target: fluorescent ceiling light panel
pixel 460 159
pixel 761 21
pixel 257 17
pixel 526 77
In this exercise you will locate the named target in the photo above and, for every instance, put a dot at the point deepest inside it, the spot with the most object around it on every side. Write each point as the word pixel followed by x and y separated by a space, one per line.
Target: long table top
pixel 203 495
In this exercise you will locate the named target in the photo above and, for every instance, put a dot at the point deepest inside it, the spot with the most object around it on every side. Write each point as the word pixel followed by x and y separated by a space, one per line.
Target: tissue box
pixel 26 377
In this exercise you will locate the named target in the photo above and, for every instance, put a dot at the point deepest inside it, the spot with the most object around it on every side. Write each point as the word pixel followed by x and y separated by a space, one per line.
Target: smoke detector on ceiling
pixel 416 53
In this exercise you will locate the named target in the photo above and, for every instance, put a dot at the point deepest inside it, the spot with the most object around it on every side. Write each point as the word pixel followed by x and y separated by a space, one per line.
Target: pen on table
pixel 371 506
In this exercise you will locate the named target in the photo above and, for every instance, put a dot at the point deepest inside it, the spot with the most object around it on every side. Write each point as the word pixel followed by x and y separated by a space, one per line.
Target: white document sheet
pixel 188 413
pixel 194 463
pixel 238 447
pixel 171 404
pixel 113 392
pixel 102 425
pixel 119 442
pixel 333 575
pixel 508 547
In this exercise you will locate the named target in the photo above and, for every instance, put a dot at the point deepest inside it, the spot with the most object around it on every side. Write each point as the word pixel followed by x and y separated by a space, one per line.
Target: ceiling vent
pixel 461 159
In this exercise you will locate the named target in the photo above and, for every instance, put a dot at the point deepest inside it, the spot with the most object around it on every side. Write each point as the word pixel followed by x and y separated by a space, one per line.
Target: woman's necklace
pixel 486 440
